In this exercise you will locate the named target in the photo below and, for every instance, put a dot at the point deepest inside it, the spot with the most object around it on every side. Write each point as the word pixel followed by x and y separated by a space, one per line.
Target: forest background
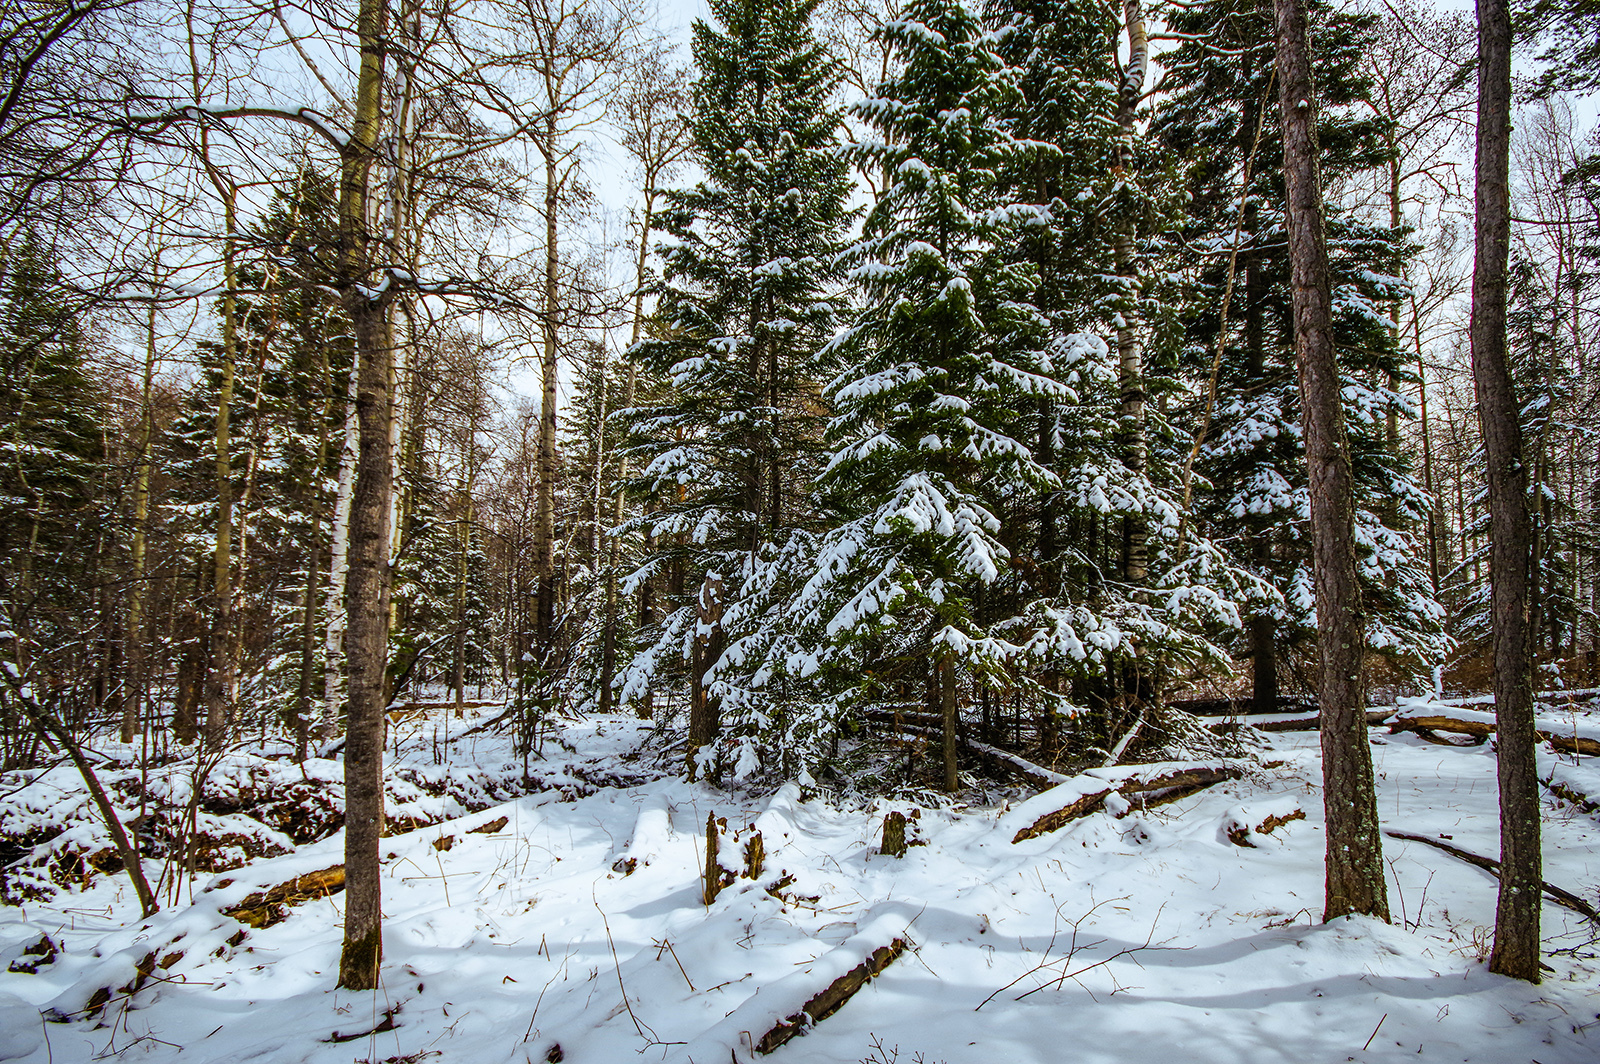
pixel 939 381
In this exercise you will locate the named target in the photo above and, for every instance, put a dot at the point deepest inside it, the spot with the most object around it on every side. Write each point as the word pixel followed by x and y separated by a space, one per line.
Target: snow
pixel 1142 938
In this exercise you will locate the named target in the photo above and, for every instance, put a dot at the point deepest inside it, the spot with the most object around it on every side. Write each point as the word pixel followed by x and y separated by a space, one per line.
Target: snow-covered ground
pixel 1145 938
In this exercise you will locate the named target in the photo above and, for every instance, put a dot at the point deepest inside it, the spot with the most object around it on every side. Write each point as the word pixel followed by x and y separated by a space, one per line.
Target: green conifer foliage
pixel 941 364
pixel 1219 113
pixel 51 447
pixel 725 459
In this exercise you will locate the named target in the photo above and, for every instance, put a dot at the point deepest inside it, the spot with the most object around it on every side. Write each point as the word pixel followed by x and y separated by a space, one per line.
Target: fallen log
pixel 833 998
pixel 1564 790
pixel 269 907
pixel 1572 744
pixel 1424 727
pixel 1155 790
pixel 1479 727
pixel 1564 898
pixel 1085 805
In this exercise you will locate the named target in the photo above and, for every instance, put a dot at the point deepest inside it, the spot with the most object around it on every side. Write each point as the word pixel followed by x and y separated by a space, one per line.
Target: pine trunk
pixel 1354 871
pixel 947 712
pixel 1516 923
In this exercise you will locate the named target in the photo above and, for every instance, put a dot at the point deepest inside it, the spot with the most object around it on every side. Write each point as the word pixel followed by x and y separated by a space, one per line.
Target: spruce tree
pixel 1218 114
pixel 52 449
pixel 725 459
pixel 1103 545
pixel 944 368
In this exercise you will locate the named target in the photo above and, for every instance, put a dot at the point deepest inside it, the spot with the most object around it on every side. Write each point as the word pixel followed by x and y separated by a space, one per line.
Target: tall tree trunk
pixel 1427 447
pixel 1354 870
pixel 133 630
pixel 369 577
pixel 544 538
pixel 220 678
pixel 1130 356
pixel 1516 919
pixel 458 678
pixel 704 720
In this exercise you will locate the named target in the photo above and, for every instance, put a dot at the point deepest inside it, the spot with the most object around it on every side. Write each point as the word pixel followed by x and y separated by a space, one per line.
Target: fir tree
pixel 944 365
pixel 725 460
pixel 51 447
pixel 1219 114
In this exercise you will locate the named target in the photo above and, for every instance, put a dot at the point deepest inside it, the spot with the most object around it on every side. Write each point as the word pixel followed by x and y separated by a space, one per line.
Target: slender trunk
pixel 545 531
pixel 1130 356
pixel 133 631
pixel 608 650
pixel 1516 920
pixel 220 679
pixel 1427 448
pixel 459 676
pixel 308 616
pixel 947 713
pixel 1354 872
pixel 369 576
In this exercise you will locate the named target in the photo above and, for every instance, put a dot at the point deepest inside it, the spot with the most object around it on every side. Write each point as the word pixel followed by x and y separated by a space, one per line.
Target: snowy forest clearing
pixel 1132 936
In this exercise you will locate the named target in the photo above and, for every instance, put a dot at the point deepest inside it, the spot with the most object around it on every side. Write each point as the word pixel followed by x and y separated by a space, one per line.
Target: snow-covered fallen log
pixel 1108 788
pixel 1560 896
pixel 1425 718
pixel 787 1006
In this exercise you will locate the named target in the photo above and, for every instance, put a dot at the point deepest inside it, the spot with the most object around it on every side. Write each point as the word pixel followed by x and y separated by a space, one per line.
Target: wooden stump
pixel 894 835
pixel 754 857
pixel 713 872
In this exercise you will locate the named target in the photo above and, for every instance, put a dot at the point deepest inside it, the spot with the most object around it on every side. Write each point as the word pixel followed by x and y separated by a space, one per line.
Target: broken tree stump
pixel 715 877
pixel 894 835
pixel 755 856
pixel 833 998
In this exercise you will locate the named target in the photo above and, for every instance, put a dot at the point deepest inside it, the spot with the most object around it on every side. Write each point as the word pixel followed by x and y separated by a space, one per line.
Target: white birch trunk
pixel 338 566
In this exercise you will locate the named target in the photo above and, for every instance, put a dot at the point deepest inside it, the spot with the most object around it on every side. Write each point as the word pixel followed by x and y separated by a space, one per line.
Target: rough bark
pixel 1354 862
pixel 894 835
pixel 1516 920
